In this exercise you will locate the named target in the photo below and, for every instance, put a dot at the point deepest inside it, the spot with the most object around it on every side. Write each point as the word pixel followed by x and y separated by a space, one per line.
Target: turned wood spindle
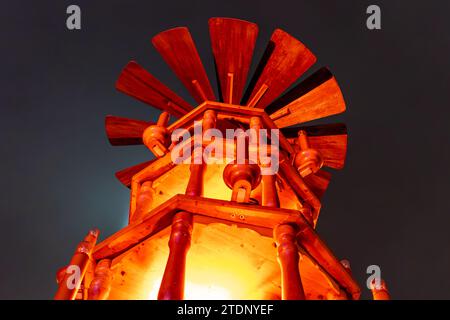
pixel 75 271
pixel 307 160
pixel 156 138
pixel 269 190
pixel 241 179
pixel 381 292
pixel 172 284
pixel 143 202
pixel 288 258
pixel 101 284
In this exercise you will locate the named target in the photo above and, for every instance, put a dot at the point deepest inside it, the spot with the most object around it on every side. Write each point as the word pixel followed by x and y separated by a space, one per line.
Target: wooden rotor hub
pixel 307 160
pixel 156 137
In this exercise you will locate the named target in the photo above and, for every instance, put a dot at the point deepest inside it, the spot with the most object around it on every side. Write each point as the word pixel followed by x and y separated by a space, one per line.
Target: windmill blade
pixel 124 131
pixel 127 174
pixel 233 42
pixel 330 140
pixel 283 62
pixel 317 97
pixel 332 129
pixel 138 83
pixel 318 182
pixel 178 50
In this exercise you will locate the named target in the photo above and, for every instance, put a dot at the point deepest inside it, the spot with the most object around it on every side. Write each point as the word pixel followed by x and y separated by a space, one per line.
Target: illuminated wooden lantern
pixel 225 230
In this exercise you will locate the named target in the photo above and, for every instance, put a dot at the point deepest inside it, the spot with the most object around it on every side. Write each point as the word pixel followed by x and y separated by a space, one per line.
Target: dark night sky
pixel 389 206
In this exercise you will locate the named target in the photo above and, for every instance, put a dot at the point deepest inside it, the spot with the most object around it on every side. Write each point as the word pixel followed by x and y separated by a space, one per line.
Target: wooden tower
pixel 233 230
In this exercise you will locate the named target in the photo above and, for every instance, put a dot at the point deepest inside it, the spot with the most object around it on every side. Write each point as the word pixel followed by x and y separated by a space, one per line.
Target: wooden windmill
pixel 232 231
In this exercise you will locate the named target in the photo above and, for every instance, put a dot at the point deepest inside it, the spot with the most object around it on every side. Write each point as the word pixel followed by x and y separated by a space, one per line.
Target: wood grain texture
pixel 332 148
pixel 124 131
pixel 233 42
pixel 254 272
pixel 217 210
pixel 136 82
pixel 331 129
pixel 178 49
pixel 288 258
pixel 264 217
pixel 173 281
pixel 318 182
pixel 309 240
pixel 237 112
pixel 317 97
pixel 283 62
pixel 330 140
pixel 125 175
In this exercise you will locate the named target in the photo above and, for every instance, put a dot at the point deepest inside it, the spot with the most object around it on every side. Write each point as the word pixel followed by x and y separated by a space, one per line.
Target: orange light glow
pixel 195 291
pixel 224 262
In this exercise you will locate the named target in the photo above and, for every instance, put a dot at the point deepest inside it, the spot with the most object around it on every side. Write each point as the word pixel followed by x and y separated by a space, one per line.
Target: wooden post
pixel 88 277
pixel 195 183
pixel 269 191
pixel 172 284
pixel 101 284
pixel 143 201
pixel 381 292
pixel 70 284
pixel 288 258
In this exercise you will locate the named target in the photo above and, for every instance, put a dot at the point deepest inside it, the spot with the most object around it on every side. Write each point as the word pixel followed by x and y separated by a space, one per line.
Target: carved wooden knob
pixel 156 137
pixel 242 179
pixel 308 160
